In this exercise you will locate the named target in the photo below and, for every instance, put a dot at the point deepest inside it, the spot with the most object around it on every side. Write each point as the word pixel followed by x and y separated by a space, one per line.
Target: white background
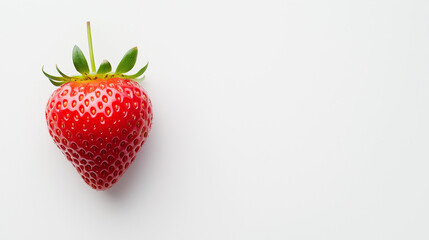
pixel 272 120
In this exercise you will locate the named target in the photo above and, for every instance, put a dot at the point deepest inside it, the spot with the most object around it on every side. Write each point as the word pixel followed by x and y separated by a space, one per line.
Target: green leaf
pixel 57 84
pixel 105 67
pixel 56 81
pixel 139 80
pixel 60 79
pixel 79 61
pixel 137 74
pixel 62 74
pixel 128 61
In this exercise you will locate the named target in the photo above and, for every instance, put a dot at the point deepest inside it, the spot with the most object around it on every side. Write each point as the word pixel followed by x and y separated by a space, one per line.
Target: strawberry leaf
pixel 139 80
pixel 57 84
pixel 128 61
pixel 60 79
pixel 105 67
pixel 137 74
pixel 56 81
pixel 61 73
pixel 79 61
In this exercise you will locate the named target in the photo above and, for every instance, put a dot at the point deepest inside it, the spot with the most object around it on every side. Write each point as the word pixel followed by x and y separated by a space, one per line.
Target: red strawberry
pixel 101 119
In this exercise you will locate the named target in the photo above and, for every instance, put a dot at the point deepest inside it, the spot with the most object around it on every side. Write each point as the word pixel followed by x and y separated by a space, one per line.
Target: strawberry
pixel 100 119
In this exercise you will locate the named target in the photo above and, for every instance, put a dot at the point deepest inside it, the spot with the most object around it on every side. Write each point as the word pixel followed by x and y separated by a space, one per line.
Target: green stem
pixel 91 51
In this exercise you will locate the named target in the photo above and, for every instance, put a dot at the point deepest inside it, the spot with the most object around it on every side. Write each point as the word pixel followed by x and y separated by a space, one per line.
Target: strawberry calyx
pixel 104 71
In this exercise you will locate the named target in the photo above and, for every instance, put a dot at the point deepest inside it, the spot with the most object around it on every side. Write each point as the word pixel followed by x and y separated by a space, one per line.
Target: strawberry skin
pixel 100 125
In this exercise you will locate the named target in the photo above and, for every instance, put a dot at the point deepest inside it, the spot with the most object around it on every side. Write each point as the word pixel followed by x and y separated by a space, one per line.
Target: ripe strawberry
pixel 101 119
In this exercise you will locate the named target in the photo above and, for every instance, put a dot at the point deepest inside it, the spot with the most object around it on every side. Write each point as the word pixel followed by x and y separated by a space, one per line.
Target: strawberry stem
pixel 91 51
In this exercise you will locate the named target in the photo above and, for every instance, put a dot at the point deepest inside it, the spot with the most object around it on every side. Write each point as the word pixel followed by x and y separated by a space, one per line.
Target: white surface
pixel 272 120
